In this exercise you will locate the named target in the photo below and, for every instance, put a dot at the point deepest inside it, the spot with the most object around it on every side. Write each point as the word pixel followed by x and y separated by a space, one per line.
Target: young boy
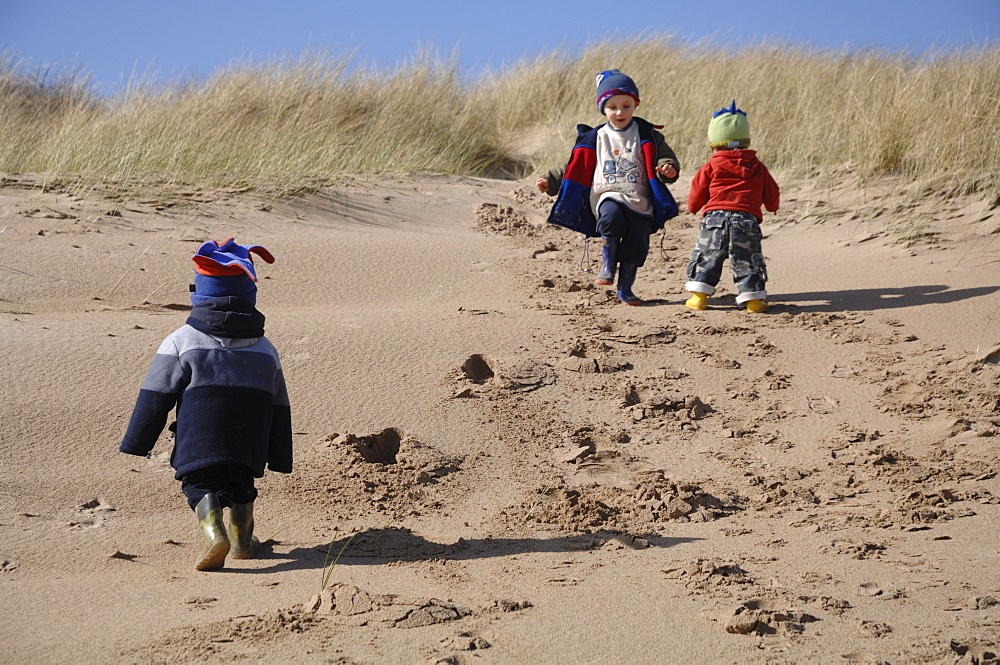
pixel 233 415
pixel 613 185
pixel 731 188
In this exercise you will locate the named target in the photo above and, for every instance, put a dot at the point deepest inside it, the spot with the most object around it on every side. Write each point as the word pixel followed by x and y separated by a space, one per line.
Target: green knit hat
pixel 729 128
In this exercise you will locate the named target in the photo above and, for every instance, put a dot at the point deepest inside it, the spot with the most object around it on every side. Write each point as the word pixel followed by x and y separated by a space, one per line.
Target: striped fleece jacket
pixel 225 379
pixel 572 208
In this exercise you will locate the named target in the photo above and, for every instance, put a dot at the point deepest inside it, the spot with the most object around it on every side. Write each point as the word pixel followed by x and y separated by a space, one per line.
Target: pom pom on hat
pixel 729 128
pixel 226 270
pixel 612 82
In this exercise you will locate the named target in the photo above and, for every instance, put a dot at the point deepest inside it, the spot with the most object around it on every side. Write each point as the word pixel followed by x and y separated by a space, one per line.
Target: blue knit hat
pixel 612 82
pixel 226 270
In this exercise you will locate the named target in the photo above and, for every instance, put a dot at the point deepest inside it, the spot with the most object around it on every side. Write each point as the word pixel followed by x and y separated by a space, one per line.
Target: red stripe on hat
pixel 206 266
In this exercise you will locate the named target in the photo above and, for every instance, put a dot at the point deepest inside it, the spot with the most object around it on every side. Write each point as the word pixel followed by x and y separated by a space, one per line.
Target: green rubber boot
pixel 209 512
pixel 241 531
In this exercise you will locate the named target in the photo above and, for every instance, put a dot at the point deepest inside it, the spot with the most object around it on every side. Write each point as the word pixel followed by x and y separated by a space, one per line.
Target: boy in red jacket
pixel 731 188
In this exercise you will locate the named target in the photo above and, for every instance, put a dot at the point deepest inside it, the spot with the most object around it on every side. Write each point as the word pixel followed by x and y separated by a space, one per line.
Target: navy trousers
pixel 232 482
pixel 616 220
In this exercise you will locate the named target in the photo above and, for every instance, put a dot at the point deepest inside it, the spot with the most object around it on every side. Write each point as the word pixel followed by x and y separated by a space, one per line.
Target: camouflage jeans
pixel 736 236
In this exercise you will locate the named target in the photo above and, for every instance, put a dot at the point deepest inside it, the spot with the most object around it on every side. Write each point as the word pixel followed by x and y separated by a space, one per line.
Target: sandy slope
pixel 521 469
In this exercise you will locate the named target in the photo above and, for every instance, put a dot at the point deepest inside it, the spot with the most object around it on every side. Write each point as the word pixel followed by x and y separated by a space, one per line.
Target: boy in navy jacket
pixel 225 380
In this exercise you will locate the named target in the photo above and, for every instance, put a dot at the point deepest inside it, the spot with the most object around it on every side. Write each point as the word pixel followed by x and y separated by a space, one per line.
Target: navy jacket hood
pixel 227 316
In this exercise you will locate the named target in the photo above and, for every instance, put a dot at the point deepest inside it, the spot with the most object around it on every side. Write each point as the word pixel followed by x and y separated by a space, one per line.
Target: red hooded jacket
pixel 734 180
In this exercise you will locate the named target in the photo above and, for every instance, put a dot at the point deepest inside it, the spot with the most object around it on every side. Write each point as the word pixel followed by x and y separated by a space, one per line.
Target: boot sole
pixel 215 557
pixel 604 282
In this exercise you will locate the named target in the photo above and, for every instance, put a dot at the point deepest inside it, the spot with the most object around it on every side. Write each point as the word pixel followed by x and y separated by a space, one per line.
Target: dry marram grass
pixel 289 123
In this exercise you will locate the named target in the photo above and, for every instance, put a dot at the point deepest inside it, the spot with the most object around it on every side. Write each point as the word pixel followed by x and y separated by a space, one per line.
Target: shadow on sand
pixel 869 300
pixel 380 546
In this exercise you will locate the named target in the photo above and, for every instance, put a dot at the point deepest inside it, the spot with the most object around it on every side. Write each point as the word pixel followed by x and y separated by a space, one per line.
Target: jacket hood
pixel 741 163
pixel 227 316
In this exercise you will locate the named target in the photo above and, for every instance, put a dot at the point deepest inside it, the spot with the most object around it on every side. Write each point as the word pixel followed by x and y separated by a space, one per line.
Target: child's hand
pixel 542 185
pixel 667 170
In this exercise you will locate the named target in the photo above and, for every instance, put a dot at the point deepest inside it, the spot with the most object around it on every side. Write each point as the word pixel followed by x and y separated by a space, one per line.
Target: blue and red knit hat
pixel 226 270
pixel 612 82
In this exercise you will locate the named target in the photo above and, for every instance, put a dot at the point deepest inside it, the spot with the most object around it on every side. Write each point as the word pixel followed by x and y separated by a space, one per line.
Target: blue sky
pixel 111 39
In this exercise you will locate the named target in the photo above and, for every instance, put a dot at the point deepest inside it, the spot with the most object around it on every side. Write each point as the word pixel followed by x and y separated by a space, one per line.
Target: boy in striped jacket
pixel 233 417
pixel 613 185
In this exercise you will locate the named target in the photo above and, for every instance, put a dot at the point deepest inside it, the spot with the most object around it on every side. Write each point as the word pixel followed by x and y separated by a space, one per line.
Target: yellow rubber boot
pixel 697 301
pixel 209 512
pixel 756 306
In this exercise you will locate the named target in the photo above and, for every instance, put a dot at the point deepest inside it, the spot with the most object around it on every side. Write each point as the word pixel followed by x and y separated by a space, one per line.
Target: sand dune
pixel 505 464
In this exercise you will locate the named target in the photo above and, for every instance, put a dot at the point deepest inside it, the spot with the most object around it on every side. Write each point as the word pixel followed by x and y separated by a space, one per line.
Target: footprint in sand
pixel 92 515
pixel 873 629
pixel 380 448
pixel 159 462
pixel 822 404
pixel 464 641
pixel 477 369
pixel 991 358
pixel 199 602
pixel 768 617
pixel 347 602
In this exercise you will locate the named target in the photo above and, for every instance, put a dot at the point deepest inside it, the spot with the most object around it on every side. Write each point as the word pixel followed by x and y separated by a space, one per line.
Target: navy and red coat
pixel 572 207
